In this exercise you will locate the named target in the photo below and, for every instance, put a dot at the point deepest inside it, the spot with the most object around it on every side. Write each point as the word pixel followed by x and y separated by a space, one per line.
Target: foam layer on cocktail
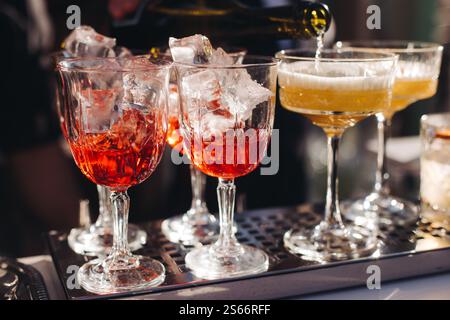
pixel 415 70
pixel 334 95
pixel 331 76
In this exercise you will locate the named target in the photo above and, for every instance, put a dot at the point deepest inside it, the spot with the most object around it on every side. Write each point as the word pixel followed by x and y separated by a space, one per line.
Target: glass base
pixel 390 210
pixel 205 263
pixel 123 274
pixel 192 230
pixel 322 243
pixel 97 241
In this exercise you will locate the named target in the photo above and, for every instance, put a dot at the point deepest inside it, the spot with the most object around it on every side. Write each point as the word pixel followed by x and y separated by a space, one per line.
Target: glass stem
pixel 382 175
pixel 121 206
pixel 104 219
pixel 226 244
pixel 332 210
pixel 198 182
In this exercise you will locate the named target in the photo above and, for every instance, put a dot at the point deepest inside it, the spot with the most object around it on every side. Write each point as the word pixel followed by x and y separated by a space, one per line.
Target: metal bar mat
pixel 404 251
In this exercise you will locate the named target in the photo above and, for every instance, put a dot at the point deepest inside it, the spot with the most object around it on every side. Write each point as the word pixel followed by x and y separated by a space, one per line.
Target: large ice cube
pixel 203 87
pixel 241 94
pixel 193 49
pixel 143 85
pixel 84 41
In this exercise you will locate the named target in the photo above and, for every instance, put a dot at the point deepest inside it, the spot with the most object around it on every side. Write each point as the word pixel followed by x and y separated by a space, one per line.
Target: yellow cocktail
pixel 416 78
pixel 332 102
pixel 407 91
pixel 334 91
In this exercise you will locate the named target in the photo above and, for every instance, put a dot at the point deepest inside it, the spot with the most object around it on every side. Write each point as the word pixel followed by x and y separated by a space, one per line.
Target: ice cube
pixel 84 41
pixel 204 88
pixel 130 130
pixel 242 94
pixel 215 125
pixel 220 94
pixel 142 85
pixel 193 49
pixel 220 57
pixel 98 109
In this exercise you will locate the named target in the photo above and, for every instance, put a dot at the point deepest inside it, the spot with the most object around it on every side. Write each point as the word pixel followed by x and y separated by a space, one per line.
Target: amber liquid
pixel 124 155
pixel 334 109
pixel 231 155
pixel 407 91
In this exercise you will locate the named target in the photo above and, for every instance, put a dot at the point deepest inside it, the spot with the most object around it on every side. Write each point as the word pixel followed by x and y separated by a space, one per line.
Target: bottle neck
pixel 303 19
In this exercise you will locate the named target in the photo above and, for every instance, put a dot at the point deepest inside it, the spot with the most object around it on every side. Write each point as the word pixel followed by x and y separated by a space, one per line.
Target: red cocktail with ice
pixel 114 117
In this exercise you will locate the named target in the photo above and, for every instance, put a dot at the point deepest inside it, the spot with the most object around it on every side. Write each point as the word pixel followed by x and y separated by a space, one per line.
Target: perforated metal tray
pixel 404 251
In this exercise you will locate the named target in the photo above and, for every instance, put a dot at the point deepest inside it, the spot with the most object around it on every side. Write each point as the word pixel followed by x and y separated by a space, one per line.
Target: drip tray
pixel 404 251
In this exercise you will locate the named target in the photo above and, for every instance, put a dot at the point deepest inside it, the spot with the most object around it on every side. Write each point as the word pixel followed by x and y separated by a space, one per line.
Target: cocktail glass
pixel 334 91
pixel 226 124
pixel 197 224
pixel 96 239
pixel 115 121
pixel 416 78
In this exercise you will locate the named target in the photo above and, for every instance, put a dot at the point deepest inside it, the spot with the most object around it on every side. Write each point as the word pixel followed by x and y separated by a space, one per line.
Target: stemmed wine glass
pixel 115 122
pixel 334 90
pixel 416 79
pixel 197 224
pixel 227 114
pixel 96 239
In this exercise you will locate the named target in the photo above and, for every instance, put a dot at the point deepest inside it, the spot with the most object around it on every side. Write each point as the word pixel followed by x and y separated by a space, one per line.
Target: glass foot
pixel 322 243
pixel 390 210
pixel 205 263
pixel 97 241
pixel 120 274
pixel 190 230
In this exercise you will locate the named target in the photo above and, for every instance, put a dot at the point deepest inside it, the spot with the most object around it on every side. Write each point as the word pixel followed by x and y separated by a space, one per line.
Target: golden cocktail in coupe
pixel 328 98
pixel 335 91
pixel 416 79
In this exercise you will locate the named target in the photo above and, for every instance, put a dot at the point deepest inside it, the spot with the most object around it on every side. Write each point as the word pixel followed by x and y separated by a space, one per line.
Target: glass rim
pixel 430 119
pixel 378 56
pixel 163 63
pixel 422 46
pixel 270 61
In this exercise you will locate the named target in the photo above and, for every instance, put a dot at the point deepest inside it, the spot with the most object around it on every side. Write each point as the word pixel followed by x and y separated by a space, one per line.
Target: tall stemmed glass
pixel 116 143
pixel 416 79
pixel 197 224
pixel 96 239
pixel 227 114
pixel 334 91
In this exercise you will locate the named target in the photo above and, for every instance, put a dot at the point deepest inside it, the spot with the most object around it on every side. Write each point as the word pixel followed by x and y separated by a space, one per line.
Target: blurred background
pixel 40 186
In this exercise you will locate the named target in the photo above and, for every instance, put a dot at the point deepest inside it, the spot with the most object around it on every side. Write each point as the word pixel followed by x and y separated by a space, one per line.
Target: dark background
pixel 40 186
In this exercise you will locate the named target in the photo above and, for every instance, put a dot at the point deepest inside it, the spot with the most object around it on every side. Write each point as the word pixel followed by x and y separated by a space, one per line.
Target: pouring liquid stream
pixel 319 50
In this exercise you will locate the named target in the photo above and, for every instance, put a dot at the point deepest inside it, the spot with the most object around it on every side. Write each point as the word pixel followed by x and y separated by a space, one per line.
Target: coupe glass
pixel 334 91
pixel 416 78
pixel 226 123
pixel 197 224
pixel 115 121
